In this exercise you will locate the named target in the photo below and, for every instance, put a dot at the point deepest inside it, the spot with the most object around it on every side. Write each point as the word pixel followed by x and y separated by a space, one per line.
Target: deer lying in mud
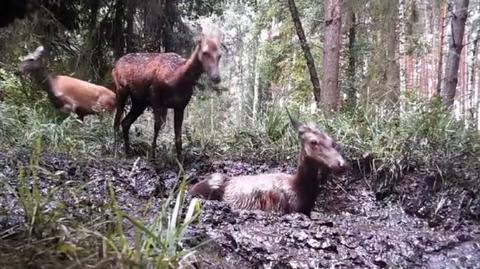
pixel 67 93
pixel 281 193
pixel 162 81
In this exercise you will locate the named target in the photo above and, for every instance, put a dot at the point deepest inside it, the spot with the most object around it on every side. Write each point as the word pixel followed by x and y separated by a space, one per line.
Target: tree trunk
pixel 253 79
pixel 331 55
pixel 131 10
pixel 352 59
pixel 256 73
pixel 402 57
pixel 93 51
pixel 440 48
pixel 152 25
pixel 473 84
pixel 168 17
pixel 118 38
pixel 176 36
pixel 459 18
pixel 306 50
pixel 393 69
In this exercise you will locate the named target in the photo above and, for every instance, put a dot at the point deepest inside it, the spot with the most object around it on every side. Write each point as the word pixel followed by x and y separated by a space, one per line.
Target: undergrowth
pixel 113 239
pixel 382 144
pixel 424 136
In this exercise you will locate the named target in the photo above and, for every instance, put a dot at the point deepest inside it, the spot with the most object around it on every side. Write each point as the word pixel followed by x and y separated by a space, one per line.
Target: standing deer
pixel 162 81
pixel 67 93
pixel 281 193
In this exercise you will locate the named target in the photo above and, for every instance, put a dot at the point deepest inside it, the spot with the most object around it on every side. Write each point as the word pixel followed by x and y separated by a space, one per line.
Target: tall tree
pixel 351 90
pixel 118 29
pixel 402 42
pixel 393 69
pixel 306 50
pixel 330 96
pixel 131 10
pixel 459 17
pixel 443 10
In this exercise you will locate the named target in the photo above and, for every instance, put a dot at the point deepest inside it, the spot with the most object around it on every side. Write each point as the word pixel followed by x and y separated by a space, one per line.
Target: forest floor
pixel 351 227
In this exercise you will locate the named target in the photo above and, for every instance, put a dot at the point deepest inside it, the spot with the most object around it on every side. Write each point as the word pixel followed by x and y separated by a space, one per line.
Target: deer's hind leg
pixel 160 117
pixel 136 110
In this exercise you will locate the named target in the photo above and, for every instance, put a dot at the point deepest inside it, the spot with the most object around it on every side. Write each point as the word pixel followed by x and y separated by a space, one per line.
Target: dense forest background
pixel 361 53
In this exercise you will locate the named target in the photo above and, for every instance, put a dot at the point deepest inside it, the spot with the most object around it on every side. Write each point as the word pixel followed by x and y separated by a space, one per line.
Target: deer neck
pixel 45 78
pixel 191 71
pixel 305 183
pixel 42 76
pixel 306 178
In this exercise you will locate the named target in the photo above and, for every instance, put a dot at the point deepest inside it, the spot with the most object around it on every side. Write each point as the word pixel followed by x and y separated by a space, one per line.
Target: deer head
pixel 33 62
pixel 319 147
pixel 209 55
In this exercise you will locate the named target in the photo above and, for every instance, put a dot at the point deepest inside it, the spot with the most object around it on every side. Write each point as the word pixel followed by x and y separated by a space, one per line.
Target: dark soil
pixel 416 226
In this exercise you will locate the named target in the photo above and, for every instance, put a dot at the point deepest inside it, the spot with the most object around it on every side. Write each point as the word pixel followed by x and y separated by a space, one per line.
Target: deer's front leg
pixel 178 120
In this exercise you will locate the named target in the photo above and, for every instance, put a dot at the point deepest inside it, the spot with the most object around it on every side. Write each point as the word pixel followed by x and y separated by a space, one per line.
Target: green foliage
pixel 425 136
pixel 22 126
pixel 276 123
pixel 18 93
pixel 282 62
pixel 41 209
pixel 160 244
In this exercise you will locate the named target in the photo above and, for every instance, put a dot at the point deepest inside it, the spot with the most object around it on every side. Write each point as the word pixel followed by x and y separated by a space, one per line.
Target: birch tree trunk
pixel 330 95
pixel 306 50
pixel 402 42
pixel 459 18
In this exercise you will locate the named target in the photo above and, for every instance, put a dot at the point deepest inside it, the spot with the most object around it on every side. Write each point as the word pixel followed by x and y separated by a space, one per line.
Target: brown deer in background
pixel 67 93
pixel 281 193
pixel 162 81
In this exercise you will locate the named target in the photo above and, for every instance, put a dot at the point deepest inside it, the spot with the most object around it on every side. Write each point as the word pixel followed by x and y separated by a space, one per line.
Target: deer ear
pixel 199 38
pixel 220 37
pixel 303 129
pixel 38 52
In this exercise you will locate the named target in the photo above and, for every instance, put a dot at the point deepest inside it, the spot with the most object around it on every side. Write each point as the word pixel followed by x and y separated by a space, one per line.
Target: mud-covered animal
pixel 162 81
pixel 281 193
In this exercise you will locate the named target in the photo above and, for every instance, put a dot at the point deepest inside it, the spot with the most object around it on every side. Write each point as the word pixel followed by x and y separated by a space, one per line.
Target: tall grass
pixel 156 245
pixel 425 136
pixel 422 133
pixel 22 126
pixel 108 241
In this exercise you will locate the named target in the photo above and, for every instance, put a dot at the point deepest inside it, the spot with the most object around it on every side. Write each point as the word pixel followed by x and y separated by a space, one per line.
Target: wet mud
pixel 351 227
